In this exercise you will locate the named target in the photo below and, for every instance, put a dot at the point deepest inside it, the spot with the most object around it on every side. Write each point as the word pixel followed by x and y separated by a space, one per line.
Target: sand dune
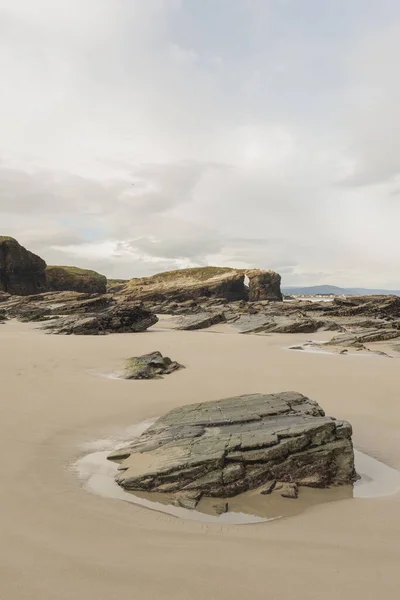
pixel 59 541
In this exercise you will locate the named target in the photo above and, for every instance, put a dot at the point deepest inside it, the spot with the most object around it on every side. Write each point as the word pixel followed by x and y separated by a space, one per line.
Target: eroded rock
pixel 21 271
pixel 150 366
pixel 200 321
pixel 264 285
pixel 229 446
pixel 126 318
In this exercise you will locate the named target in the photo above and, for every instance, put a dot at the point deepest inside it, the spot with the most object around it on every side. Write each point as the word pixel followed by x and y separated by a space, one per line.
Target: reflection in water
pixel 98 474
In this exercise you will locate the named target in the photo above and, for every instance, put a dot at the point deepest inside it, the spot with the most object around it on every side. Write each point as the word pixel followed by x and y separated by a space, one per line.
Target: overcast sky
pixel 143 135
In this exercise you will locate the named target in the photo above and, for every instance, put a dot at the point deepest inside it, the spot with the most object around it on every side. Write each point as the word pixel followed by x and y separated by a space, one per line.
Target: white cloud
pixel 141 136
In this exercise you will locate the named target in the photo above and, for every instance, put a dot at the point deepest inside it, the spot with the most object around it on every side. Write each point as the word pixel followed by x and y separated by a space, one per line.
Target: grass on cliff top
pixel 196 274
pixel 7 238
pixel 75 271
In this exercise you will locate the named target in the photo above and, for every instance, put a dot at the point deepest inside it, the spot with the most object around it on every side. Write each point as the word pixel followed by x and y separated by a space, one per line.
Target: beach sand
pixel 58 541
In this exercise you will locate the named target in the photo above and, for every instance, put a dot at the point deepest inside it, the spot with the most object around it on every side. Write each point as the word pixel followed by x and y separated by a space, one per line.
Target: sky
pixel 142 136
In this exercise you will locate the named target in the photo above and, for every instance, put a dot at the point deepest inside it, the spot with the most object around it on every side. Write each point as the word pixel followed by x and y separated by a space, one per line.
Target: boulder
pixel 74 279
pixel 229 446
pixel 21 271
pixel 150 366
pixel 200 320
pixel 126 318
pixel 264 285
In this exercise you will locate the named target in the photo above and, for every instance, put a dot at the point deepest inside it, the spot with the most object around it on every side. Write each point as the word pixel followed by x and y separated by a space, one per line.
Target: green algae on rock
pixel 61 278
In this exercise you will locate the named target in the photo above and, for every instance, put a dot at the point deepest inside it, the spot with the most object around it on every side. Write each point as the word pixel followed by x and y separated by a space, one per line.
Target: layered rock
pixel 226 447
pixel 21 271
pixel 375 306
pixel 75 279
pixel 188 284
pixel 126 318
pixel 200 320
pixel 264 285
pixel 204 283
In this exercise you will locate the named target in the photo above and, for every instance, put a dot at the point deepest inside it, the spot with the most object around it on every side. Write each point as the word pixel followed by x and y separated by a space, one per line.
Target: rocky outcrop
pixel 226 447
pixel 126 318
pixel 150 366
pixel 372 306
pixel 366 337
pixel 200 321
pixel 264 285
pixel 21 271
pixel 76 280
pixel 188 284
pixel 205 283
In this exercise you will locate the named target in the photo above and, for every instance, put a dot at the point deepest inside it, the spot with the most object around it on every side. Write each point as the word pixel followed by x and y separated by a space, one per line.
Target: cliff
pixel 74 279
pixel 21 271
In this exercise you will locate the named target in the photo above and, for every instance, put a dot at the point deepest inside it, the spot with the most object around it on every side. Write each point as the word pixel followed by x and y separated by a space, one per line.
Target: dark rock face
pixel 150 366
pixel 264 285
pixel 126 318
pixel 226 447
pixel 73 279
pixel 21 271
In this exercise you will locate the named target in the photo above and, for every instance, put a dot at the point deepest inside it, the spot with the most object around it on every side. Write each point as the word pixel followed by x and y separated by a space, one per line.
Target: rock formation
pixel 200 320
pixel 150 366
pixel 74 279
pixel 229 446
pixel 204 283
pixel 264 285
pixel 21 271
pixel 126 318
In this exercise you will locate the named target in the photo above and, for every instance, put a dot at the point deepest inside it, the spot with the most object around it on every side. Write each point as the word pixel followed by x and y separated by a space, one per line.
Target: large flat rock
pixel 229 446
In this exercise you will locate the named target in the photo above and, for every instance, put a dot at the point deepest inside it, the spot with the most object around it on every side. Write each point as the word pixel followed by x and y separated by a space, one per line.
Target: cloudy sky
pixel 139 136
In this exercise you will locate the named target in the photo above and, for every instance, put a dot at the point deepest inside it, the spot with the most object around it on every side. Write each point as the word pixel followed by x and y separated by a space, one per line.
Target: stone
pixel 150 366
pixel 288 490
pixel 221 508
pixel 227 447
pixel 200 321
pixel 188 500
pixel 21 271
pixel 74 279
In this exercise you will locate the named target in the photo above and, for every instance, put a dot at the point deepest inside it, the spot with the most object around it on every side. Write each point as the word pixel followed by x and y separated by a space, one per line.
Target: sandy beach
pixel 60 541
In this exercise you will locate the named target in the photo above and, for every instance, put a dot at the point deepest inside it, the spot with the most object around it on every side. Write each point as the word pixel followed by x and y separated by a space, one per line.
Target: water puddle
pixel 97 475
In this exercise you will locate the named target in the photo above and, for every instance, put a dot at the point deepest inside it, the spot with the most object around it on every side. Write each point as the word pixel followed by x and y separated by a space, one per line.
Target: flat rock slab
pixel 229 446
pixel 200 321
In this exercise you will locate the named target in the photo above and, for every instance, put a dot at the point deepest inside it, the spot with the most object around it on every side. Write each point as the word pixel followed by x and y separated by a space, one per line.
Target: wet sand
pixel 59 541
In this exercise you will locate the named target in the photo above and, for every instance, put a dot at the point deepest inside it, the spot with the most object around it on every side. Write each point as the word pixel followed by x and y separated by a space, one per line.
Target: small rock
pixel 344 351
pixel 296 348
pixel 268 487
pixel 288 490
pixel 187 500
pixel 221 508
